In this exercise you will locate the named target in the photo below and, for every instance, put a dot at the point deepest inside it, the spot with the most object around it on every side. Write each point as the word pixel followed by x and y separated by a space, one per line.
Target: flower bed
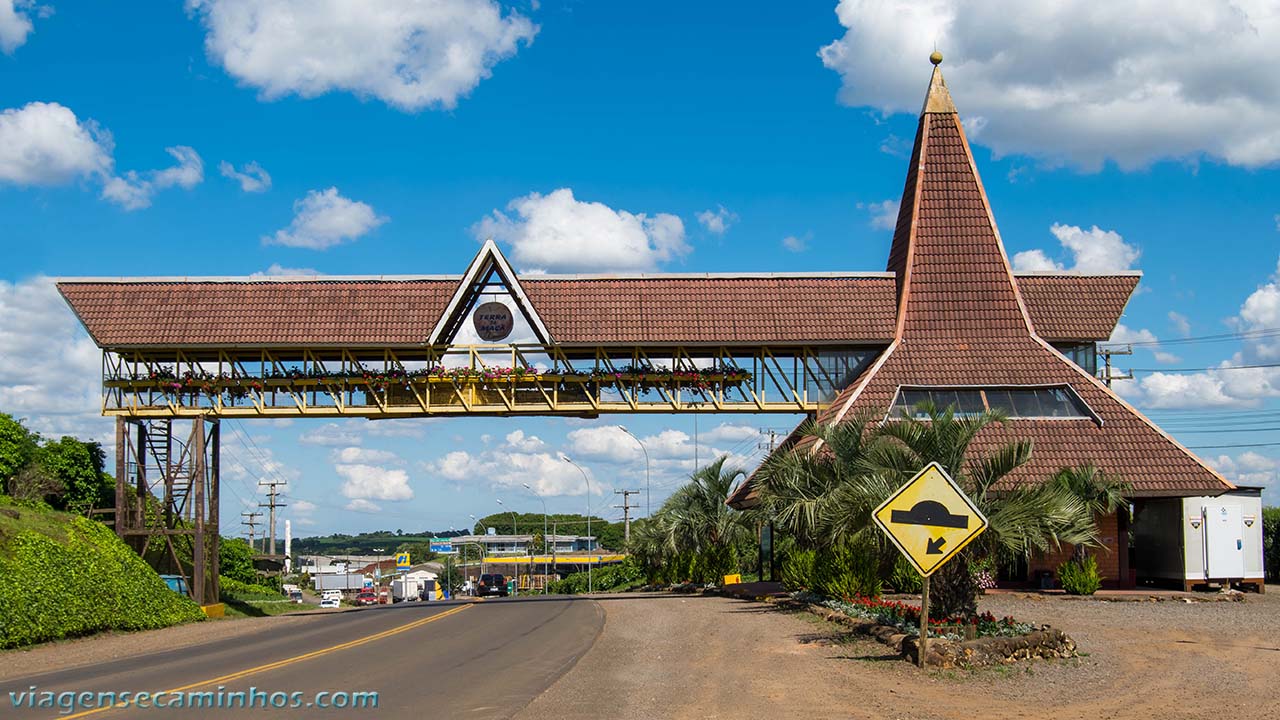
pixel 645 378
pixel 897 624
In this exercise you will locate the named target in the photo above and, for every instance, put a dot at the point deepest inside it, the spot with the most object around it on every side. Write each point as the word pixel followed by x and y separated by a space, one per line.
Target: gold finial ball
pixel 936 58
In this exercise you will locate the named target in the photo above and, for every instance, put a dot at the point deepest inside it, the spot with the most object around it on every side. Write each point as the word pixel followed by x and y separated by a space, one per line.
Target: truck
pixel 346 582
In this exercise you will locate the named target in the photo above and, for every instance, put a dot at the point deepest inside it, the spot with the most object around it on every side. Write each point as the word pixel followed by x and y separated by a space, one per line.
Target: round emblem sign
pixel 493 321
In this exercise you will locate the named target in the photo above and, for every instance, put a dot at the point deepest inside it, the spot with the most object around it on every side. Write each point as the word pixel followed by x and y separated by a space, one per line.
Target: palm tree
pixel 1024 518
pixel 696 520
pixel 826 491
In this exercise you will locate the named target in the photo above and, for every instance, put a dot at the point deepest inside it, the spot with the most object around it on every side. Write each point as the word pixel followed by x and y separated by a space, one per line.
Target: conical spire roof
pixel 962 323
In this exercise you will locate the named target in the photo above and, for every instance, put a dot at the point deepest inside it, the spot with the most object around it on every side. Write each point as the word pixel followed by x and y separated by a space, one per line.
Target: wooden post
pixel 214 587
pixel 122 467
pixel 197 470
pixel 924 620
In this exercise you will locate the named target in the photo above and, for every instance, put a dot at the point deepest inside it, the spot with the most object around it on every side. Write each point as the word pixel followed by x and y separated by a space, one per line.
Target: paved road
pixel 447 660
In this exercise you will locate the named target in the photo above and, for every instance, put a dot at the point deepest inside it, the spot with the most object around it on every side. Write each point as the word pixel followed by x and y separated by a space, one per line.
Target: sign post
pixel 930 520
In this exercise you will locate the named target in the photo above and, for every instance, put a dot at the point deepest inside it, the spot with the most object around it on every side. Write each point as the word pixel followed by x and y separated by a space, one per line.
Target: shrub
pixel 232 589
pixel 1271 542
pixel 1080 577
pixel 849 571
pixel 605 578
pixel 904 578
pixel 798 570
pixel 85 581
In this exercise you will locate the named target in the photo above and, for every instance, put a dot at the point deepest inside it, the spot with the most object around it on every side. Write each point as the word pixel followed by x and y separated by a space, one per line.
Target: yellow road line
pixel 297 658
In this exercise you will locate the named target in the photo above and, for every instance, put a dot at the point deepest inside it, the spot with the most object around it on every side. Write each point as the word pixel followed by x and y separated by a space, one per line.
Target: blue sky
pixel 393 138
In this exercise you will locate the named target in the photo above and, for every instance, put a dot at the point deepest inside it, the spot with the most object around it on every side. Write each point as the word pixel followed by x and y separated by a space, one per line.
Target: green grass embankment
pixel 64 576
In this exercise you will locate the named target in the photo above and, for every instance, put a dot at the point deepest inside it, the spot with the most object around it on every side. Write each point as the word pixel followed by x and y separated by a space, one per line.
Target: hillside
pixel 62 575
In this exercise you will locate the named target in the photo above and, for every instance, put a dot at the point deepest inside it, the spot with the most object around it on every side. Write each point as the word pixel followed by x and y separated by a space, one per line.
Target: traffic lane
pixel 487 662
pixel 174 668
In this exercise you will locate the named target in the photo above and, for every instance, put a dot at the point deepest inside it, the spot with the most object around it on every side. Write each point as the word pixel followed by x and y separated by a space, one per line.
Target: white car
pixel 330 602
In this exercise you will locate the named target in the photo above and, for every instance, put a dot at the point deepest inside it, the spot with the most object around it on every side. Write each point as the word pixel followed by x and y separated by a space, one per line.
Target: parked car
pixel 492 584
pixel 330 602
pixel 366 598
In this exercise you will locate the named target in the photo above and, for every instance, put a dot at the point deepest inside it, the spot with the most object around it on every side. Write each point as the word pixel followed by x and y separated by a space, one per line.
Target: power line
pixel 1241 445
pixel 1221 337
pixel 1206 369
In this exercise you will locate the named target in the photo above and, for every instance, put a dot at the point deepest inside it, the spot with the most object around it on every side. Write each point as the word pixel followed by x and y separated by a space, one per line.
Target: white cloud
pixel 251 176
pixel 727 433
pixel 556 232
pixel 1093 251
pixel 45 144
pixel 717 222
pixel 884 214
pixel 1035 261
pixel 277 270
pixel 1077 81
pixel 795 244
pixel 411 54
pixel 331 435
pixel 323 219
pixel 302 506
pixel 364 456
pixel 50 371
pixel 133 190
pixel 605 443
pixel 372 482
pixel 1251 468
pixel 517 440
pixel 364 506
pixel 15 23
pixel 400 427
pixel 509 469
pixel 1180 323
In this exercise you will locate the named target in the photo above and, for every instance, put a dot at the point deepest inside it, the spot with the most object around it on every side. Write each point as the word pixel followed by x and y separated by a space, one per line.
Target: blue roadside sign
pixel 441 545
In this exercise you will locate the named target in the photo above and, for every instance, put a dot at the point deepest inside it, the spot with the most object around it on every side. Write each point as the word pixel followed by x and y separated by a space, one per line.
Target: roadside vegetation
pixel 63 576
pixel 820 496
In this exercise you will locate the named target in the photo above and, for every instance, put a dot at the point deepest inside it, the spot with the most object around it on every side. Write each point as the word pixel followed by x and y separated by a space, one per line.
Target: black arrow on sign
pixel 935 546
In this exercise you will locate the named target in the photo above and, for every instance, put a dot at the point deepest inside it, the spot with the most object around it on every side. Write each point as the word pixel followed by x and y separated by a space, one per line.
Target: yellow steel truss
pixel 472 380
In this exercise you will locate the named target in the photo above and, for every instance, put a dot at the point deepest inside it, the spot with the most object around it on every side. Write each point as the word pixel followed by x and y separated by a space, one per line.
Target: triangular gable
pixel 488 268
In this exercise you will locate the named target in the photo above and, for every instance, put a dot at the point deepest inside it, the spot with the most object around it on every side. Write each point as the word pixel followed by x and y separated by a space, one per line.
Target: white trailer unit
pixel 345 582
pixel 1202 540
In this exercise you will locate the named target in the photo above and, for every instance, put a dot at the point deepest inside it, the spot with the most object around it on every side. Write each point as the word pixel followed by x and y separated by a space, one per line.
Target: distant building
pixel 519 544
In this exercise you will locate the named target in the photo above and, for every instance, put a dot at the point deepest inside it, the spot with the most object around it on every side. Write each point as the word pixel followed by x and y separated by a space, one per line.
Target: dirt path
pixel 695 657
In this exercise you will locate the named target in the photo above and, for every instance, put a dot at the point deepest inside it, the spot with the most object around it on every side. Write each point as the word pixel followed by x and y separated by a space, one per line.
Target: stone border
pixel 1046 642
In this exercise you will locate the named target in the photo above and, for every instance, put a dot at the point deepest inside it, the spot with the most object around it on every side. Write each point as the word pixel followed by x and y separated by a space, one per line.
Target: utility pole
pixel 273 502
pixel 626 511
pixel 1107 374
pixel 772 443
pixel 252 523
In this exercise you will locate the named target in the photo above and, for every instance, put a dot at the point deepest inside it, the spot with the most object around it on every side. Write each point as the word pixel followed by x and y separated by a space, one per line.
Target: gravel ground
pixel 694 657
pixel 103 647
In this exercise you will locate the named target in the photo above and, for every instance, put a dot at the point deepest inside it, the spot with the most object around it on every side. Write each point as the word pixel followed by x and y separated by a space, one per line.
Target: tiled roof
pixel 963 323
pixel 332 312
pixel 1076 307
pixel 721 310
pixel 654 309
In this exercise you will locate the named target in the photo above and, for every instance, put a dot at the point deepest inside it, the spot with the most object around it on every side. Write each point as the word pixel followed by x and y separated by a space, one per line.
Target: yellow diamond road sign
pixel 930 519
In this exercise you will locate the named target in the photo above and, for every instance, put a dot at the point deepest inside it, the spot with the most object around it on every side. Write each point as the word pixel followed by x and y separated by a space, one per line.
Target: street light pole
pixel 648 501
pixel 538 495
pixel 588 481
pixel 513 519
